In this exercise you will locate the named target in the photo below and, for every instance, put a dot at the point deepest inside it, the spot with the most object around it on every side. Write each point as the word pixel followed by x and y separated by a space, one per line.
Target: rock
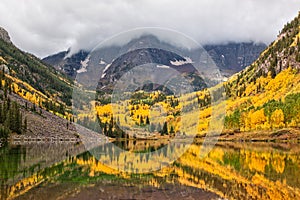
pixel 4 35
pixel 234 57
pixel 4 68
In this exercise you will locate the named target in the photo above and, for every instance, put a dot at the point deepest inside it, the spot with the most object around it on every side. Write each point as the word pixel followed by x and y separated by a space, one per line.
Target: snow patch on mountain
pixel 163 66
pixel 105 69
pixel 84 65
pixel 102 62
pixel 182 62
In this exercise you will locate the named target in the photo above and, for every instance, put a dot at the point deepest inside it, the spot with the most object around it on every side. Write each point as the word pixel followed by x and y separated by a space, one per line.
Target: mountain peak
pixel 4 35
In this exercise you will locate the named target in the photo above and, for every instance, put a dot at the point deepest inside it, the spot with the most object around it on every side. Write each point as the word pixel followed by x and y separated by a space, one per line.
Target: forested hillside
pixel 266 95
pixel 40 85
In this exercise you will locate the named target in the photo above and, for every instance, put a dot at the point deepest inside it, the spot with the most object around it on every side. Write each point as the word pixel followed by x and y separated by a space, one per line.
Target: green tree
pixel 147 120
pixel 25 125
pixel 4 132
pixel 172 130
pixel 141 120
pixel 164 130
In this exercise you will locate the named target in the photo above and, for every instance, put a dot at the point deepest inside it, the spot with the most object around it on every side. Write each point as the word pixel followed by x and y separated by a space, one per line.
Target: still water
pixel 229 171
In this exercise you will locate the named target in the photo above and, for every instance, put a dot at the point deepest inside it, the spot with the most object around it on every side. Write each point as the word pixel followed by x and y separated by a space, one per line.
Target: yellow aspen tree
pixel 277 119
pixel 258 119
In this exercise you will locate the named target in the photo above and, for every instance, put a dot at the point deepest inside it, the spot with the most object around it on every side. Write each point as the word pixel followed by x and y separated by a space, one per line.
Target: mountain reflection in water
pixel 230 170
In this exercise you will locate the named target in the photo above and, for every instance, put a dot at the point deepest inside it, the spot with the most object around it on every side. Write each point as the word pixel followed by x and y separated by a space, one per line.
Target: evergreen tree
pixel 110 130
pixel 105 129
pixel 4 132
pixel 147 120
pixel 272 71
pixel 158 127
pixel 33 108
pixel 5 93
pixel 164 130
pixel 298 57
pixel 172 130
pixel 141 120
pixel 25 125
pixel 2 119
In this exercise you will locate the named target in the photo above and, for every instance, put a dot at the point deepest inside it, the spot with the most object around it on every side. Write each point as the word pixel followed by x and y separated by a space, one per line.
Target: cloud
pixel 48 26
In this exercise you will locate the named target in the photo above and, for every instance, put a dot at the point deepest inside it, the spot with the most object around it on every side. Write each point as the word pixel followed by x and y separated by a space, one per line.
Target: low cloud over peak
pixel 45 27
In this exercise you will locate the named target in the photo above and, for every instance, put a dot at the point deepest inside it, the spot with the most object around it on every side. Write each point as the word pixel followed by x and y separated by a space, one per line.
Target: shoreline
pixel 280 135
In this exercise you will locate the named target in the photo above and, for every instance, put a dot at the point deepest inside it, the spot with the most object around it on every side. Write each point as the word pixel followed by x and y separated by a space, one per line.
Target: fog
pixel 48 26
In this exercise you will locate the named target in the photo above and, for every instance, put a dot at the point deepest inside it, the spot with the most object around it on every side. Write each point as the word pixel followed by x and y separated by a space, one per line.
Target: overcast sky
pixel 45 27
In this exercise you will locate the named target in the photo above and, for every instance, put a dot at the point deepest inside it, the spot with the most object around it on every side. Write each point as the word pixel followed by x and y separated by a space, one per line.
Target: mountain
pixel 67 65
pixel 230 58
pixel 32 75
pixel 167 67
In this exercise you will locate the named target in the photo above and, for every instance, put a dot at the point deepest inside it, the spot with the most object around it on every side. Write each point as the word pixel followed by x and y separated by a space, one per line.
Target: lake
pixel 229 171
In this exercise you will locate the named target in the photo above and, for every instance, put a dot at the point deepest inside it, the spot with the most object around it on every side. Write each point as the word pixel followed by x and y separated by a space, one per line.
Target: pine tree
pixel 172 130
pixel 164 131
pixel 5 93
pixel 4 132
pixel 298 57
pixel 141 120
pixel 147 120
pixel 33 108
pixel 110 130
pixel 272 71
pixel 105 129
pixel 25 125
pixel 1 114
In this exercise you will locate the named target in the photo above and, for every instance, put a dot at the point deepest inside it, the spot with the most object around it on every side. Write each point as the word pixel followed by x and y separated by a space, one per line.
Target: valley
pixel 149 119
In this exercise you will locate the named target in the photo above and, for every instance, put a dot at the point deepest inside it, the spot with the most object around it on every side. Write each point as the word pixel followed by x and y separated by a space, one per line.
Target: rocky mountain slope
pixel 234 57
pixel 167 65
pixel 67 65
